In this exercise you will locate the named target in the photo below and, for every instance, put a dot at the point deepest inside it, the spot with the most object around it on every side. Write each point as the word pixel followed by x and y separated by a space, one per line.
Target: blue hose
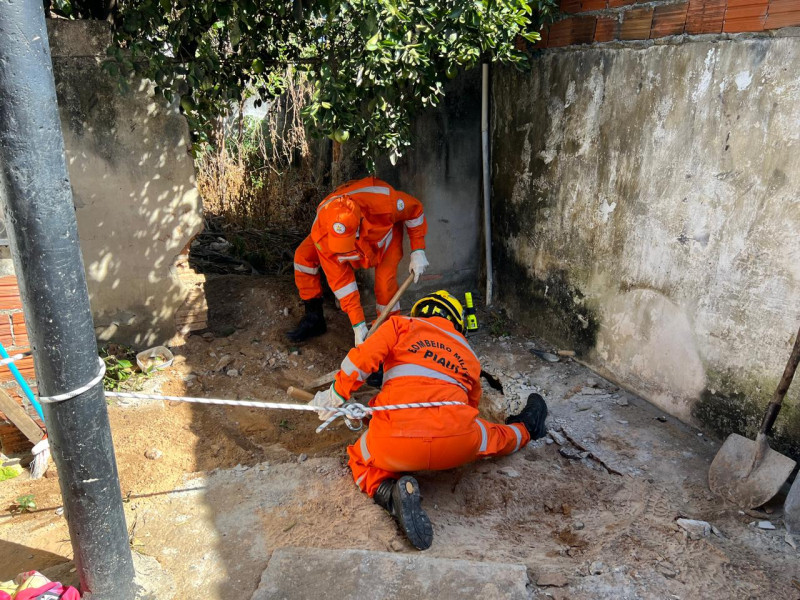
pixel 23 384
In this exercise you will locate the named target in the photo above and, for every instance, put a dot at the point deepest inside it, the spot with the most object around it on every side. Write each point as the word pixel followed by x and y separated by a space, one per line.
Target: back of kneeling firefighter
pixel 426 358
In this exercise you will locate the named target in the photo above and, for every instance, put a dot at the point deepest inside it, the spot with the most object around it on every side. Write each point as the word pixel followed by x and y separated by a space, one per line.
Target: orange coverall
pixel 424 360
pixel 380 244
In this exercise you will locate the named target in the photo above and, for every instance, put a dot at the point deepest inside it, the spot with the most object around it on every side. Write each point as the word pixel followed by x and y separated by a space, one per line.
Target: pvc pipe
pixel 487 182
pixel 26 389
pixel 40 216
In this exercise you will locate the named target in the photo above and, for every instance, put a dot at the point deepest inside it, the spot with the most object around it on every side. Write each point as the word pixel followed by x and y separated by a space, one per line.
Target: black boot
pixel 401 498
pixel 311 325
pixel 532 416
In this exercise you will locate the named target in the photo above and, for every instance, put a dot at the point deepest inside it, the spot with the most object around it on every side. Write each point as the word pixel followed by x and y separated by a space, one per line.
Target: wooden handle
pixel 786 380
pixel 299 394
pixel 385 314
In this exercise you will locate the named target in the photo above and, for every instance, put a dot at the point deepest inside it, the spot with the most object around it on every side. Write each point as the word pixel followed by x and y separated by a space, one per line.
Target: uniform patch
pixel 339 228
pixel 400 205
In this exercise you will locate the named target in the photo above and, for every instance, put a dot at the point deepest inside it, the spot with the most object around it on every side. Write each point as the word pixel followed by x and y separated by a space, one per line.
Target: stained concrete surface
pixel 301 573
pixel 646 214
pixel 133 186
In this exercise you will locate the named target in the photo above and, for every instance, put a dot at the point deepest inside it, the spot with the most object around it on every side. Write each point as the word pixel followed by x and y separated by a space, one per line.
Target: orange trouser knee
pixel 374 458
pixel 386 271
pixel 306 270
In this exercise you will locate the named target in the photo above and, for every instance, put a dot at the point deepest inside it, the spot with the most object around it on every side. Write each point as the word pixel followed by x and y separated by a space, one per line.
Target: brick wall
pixel 14 337
pixel 589 21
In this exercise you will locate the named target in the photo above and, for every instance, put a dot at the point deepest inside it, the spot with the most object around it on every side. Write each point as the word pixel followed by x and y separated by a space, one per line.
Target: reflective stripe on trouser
pixel 374 458
pixel 386 271
pixel 306 278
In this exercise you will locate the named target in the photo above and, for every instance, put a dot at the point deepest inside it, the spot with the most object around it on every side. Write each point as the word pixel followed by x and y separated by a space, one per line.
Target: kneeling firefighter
pixel 426 358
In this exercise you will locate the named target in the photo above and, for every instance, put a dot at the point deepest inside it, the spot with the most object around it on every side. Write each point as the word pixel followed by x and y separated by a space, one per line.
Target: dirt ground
pixel 233 484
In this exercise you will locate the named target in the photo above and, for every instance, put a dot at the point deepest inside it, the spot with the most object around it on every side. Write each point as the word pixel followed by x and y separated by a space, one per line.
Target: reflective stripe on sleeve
pixel 416 222
pixel 364 450
pixel 305 269
pixel 349 368
pixel 345 290
pixel 418 371
pixel 484 436
pixel 360 479
pixel 518 434
pixel 344 257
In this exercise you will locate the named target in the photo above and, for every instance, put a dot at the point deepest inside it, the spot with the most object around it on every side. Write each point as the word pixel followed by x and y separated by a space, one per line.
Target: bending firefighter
pixel 426 359
pixel 358 226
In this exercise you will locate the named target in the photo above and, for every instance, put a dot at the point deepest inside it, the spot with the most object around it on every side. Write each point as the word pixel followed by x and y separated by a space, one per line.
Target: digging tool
pixel 749 473
pixel 328 378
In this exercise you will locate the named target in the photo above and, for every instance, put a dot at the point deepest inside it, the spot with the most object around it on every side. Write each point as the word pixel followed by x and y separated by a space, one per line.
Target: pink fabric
pixel 49 591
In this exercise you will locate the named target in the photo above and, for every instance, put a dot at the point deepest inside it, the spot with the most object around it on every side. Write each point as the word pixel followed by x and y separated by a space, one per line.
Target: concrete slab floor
pixel 591 512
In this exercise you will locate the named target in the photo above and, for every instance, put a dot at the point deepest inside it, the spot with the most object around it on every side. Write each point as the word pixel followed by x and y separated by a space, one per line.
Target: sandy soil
pixel 234 484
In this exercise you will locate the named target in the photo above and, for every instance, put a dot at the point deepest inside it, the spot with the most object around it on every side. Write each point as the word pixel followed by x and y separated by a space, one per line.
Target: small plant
pixel 24 504
pixel 121 370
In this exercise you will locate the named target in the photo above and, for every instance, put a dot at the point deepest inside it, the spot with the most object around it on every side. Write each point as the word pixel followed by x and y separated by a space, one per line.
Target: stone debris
pixel 233 373
pixel 572 453
pixel 153 453
pixel 789 539
pixel 223 362
pixel 765 525
pixel 302 458
pixel 578 525
pixel 509 472
pixel 596 568
pixel 556 437
pixel 695 529
pixel 622 402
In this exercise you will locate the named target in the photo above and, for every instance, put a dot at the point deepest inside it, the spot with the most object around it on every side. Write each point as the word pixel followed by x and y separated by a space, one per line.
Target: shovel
pixel 328 378
pixel 749 473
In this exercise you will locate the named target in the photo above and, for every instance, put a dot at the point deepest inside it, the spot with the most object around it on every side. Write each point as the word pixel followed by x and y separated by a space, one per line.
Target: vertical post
pixel 37 204
pixel 487 181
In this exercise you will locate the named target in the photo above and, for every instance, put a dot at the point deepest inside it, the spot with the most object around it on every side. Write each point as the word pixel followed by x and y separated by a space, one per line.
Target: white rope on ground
pixel 352 411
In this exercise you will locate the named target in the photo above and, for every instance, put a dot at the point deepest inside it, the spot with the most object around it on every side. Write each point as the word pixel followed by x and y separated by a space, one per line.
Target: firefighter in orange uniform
pixel 358 226
pixel 426 358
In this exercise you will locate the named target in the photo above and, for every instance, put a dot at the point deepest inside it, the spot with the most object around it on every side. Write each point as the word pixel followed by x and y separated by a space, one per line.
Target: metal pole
pixel 37 204
pixel 487 181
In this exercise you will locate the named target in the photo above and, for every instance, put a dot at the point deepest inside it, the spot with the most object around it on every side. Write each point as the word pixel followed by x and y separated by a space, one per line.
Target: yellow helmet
pixel 440 304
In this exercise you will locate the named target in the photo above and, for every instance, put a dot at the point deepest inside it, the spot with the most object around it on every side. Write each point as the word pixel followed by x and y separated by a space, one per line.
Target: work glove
pixel 326 398
pixel 419 262
pixel 361 331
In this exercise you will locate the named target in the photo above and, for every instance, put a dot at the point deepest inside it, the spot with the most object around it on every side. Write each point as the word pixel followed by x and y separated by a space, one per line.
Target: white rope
pixel 77 392
pixel 351 411
pixel 13 359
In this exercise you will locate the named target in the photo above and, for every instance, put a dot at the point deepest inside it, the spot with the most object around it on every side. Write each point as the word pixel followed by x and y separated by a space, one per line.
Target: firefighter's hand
pixel 419 262
pixel 326 399
pixel 361 332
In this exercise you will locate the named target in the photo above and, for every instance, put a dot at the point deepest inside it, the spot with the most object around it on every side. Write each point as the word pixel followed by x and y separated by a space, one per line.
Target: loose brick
pixel 783 13
pixel 9 293
pixel 20 330
pixel 607 29
pixel 574 30
pixel 669 20
pixel 636 24
pixel 705 16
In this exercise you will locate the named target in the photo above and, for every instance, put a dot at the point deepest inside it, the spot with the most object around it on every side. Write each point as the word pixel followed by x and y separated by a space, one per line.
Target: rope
pixel 351 411
pixel 77 392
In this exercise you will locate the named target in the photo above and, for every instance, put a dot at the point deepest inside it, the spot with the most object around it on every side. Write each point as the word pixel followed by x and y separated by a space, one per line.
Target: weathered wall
pixel 133 186
pixel 647 212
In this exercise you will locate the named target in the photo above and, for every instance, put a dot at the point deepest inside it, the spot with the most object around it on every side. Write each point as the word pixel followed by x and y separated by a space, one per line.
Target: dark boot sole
pixel 408 511
pixel 295 335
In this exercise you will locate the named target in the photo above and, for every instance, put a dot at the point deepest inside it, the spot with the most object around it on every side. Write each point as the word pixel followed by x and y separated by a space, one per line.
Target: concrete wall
pixel 647 213
pixel 133 185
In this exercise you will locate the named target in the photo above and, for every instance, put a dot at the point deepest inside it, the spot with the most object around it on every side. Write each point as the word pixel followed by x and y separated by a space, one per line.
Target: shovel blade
pixel 791 509
pixel 731 477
